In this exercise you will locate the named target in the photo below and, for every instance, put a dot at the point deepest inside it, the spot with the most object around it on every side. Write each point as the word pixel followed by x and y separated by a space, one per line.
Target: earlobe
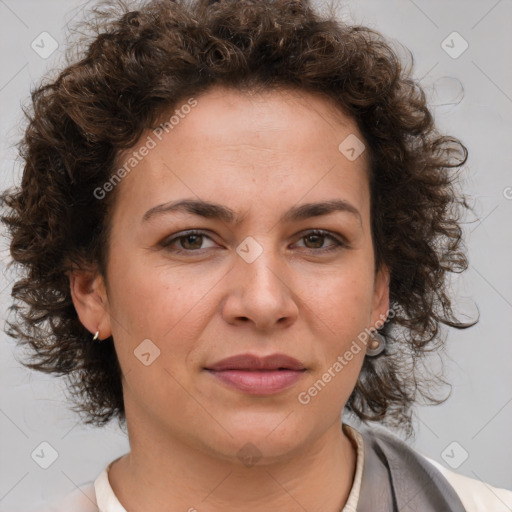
pixel 90 300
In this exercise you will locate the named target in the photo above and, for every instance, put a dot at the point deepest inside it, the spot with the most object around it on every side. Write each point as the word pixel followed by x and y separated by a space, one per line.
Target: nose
pixel 260 293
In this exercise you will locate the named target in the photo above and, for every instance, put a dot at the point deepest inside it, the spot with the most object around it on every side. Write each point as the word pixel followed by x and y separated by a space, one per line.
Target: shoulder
pixel 476 496
pixel 82 499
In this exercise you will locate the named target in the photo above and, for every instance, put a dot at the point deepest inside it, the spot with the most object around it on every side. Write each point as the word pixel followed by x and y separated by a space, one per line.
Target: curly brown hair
pixel 141 62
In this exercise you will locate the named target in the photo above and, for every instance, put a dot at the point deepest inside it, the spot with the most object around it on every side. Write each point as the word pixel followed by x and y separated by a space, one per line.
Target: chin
pixel 259 439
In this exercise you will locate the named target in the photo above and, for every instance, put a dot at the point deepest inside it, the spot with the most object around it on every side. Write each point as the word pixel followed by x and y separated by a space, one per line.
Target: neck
pixel 171 476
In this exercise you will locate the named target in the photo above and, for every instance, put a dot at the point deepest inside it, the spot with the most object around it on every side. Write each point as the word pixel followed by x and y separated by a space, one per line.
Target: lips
pixel 258 375
pixel 250 362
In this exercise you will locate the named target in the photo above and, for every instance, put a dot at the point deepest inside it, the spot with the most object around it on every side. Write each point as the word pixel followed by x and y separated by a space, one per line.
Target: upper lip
pixel 253 362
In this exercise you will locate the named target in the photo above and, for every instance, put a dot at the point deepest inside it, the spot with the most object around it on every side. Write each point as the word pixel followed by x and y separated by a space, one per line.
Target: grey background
pixel 471 97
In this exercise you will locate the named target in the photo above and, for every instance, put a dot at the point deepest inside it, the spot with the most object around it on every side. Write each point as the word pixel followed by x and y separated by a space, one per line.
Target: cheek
pixel 158 315
pixel 344 299
pixel 342 310
pixel 342 307
pixel 171 308
pixel 155 299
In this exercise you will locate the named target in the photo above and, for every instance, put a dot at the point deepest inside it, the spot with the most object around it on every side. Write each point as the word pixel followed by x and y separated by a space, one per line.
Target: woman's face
pixel 252 281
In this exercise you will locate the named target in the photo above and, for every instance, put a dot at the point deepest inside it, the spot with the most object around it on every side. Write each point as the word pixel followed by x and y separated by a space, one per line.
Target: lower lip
pixel 258 382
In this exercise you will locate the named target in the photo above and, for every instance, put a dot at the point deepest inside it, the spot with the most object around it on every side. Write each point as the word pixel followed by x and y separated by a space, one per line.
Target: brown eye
pixel 187 242
pixel 315 241
pixel 191 242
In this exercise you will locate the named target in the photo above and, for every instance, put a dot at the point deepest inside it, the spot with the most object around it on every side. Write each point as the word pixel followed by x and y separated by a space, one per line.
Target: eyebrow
pixel 217 211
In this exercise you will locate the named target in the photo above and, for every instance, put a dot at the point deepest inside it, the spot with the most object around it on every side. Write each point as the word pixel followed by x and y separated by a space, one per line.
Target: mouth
pixel 258 382
pixel 258 375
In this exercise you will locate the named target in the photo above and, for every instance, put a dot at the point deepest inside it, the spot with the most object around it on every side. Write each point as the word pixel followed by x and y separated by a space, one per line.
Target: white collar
pixel 105 498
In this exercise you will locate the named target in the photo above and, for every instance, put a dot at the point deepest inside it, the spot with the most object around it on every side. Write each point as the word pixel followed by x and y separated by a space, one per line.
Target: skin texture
pixel 258 154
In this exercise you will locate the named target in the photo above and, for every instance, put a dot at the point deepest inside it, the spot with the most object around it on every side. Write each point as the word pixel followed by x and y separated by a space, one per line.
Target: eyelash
pixel 318 232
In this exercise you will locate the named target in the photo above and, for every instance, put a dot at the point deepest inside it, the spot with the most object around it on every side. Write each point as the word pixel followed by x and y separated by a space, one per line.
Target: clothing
pixel 390 477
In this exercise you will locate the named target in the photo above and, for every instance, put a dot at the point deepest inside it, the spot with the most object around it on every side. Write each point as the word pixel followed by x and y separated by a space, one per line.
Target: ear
pixel 380 307
pixel 89 296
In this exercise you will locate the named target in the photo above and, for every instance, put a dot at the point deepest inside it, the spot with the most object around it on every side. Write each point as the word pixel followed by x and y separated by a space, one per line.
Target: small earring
pixel 96 336
pixel 376 345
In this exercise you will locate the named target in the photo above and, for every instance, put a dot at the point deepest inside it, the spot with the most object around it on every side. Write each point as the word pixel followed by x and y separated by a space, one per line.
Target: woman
pixel 237 220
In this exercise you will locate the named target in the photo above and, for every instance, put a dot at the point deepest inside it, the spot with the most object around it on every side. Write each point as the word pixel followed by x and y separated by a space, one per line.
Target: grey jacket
pixel 398 479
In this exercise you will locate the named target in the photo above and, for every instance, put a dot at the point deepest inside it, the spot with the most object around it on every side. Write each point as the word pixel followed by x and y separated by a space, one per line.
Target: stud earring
pixel 96 336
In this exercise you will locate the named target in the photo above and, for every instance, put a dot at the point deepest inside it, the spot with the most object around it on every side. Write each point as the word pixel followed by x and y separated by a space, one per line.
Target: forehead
pixel 282 144
pixel 281 119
